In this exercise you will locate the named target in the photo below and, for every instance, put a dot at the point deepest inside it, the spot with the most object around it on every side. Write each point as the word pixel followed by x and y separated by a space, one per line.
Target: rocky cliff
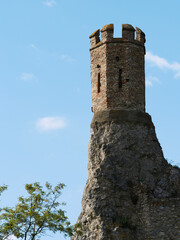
pixel 132 192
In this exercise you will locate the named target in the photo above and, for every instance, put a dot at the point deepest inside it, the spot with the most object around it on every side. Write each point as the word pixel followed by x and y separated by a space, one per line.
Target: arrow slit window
pixel 120 78
pixel 99 82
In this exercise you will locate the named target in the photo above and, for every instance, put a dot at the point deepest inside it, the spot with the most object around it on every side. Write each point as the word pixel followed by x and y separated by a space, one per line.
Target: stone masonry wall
pixel 161 218
pixel 131 63
pixel 98 66
pixel 120 63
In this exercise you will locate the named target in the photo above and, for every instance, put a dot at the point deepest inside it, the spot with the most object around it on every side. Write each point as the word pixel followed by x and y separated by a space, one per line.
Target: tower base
pixel 132 193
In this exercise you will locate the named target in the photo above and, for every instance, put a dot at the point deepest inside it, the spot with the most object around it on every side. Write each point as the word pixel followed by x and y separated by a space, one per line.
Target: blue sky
pixel 45 90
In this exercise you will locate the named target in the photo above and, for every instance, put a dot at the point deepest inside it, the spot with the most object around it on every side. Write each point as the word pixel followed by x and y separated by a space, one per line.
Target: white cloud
pixel 162 63
pixel 150 80
pixel 33 46
pixel 50 123
pixel 50 3
pixel 28 77
pixel 61 56
pixel 66 58
pixel 148 83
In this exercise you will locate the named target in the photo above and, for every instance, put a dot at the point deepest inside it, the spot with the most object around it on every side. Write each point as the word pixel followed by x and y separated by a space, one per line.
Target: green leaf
pixel 34 215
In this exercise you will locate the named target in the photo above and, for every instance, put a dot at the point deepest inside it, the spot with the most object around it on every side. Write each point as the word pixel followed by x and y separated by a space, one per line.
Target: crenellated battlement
pixel 117 69
pixel 128 35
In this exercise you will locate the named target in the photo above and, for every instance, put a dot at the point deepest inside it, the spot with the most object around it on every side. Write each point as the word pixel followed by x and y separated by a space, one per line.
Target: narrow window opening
pixel 99 82
pixel 120 78
pixel 117 58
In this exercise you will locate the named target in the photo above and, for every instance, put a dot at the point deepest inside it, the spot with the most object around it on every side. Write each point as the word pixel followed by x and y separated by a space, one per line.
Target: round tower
pixel 117 69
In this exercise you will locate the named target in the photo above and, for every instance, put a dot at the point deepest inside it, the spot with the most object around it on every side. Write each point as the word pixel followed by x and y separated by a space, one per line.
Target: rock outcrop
pixel 132 193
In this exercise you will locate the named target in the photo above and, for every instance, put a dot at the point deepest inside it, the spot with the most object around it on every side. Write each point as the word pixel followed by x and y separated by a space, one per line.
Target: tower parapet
pixel 117 69
pixel 128 32
pixel 94 38
pixel 107 32
pixel 140 36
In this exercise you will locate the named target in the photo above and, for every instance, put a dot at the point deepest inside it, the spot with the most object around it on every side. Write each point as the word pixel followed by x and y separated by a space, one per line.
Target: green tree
pixel 35 214
pixel 2 189
pixel 2 235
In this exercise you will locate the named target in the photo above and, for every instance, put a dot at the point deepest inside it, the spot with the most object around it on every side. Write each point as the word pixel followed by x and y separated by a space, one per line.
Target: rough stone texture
pixel 131 191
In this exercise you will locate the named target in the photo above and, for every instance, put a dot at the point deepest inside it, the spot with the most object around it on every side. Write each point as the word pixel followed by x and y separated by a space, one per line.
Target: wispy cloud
pixel 67 58
pixel 50 123
pixel 28 77
pixel 59 56
pixel 148 83
pixel 50 3
pixel 32 45
pixel 162 63
pixel 150 80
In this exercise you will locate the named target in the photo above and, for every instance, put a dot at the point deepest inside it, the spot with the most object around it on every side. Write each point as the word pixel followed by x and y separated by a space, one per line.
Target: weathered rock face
pixel 131 192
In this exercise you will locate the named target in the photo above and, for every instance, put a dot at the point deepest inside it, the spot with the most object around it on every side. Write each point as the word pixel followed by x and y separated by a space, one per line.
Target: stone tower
pixel 117 69
pixel 132 193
